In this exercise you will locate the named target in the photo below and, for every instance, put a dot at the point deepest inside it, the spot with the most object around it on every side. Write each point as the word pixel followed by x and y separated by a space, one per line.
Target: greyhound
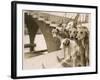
pixel 83 42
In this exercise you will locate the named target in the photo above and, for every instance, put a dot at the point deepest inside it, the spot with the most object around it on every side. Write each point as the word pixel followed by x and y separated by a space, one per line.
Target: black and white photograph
pixel 53 39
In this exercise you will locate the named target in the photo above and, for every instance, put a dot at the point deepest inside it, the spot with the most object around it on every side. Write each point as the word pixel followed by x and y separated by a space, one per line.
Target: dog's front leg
pixel 83 57
pixel 66 49
pixel 74 59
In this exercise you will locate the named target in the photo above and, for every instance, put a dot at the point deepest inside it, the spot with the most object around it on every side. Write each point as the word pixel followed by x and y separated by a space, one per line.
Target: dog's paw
pixel 66 62
pixel 66 42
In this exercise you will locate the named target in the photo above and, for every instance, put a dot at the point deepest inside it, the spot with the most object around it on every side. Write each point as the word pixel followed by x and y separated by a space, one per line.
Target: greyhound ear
pixel 66 30
pixel 87 33
pixel 57 30
pixel 87 37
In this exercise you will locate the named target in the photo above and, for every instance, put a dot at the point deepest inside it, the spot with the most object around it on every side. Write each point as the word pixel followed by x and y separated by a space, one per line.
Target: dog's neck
pixel 81 43
pixel 73 43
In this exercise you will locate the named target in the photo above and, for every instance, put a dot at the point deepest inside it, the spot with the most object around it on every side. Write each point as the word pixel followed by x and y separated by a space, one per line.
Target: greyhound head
pixel 82 33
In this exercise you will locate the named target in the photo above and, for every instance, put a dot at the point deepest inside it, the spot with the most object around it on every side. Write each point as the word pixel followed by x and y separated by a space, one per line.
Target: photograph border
pixel 14 38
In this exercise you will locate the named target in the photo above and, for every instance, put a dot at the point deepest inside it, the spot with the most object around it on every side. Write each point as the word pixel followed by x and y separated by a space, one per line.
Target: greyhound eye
pixel 81 32
pixel 74 32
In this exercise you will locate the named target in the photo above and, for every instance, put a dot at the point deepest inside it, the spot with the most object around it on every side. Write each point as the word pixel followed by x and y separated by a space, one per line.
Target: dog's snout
pixel 71 37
